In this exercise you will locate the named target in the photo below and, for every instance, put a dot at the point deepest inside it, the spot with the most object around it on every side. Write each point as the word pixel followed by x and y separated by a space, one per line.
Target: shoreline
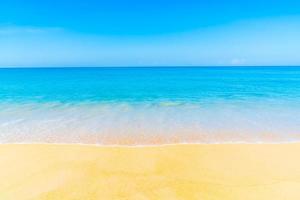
pixel 149 145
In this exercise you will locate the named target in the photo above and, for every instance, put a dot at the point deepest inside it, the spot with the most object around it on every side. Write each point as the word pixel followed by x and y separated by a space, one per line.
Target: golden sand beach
pixel 192 171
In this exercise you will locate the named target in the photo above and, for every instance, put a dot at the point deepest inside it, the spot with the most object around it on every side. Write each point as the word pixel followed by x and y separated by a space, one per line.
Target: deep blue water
pixel 215 103
pixel 149 84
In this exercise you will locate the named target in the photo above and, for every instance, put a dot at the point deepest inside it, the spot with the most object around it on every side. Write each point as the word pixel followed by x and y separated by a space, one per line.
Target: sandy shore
pixel 206 172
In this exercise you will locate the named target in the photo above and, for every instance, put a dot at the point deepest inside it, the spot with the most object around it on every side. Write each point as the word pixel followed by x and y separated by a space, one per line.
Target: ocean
pixel 150 105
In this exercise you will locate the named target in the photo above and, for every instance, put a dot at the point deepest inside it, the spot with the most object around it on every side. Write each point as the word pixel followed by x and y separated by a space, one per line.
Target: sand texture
pixel 194 171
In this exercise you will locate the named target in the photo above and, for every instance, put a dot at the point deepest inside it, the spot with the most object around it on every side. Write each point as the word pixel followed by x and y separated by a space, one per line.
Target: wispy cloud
pixel 238 61
pixel 14 30
pixel 269 42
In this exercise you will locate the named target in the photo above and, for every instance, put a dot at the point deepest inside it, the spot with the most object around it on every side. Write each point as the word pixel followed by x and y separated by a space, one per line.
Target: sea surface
pixel 152 105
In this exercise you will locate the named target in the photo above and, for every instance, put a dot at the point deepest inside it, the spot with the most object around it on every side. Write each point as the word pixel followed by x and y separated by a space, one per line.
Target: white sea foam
pixel 149 123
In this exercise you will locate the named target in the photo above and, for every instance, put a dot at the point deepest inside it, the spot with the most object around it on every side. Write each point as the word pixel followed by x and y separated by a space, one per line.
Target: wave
pixel 142 123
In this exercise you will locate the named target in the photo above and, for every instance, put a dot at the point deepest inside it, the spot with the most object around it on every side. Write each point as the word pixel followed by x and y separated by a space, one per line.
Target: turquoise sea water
pixel 150 105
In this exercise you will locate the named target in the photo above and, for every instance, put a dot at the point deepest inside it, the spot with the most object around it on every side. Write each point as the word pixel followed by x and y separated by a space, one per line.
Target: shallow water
pixel 150 105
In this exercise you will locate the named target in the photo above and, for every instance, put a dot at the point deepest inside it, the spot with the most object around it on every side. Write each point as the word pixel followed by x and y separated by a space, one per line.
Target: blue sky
pixel 149 33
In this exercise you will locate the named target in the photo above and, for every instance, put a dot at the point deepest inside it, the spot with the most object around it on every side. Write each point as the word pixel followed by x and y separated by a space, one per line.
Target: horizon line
pixel 147 66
